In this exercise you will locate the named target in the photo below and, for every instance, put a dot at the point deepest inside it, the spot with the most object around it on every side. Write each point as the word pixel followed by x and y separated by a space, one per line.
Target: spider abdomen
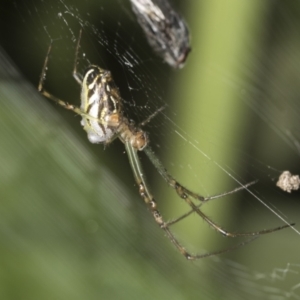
pixel 100 101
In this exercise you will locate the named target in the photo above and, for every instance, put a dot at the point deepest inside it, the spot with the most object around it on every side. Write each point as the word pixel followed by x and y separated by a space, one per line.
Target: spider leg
pixel 151 203
pixel 75 73
pixel 171 181
pixel 184 196
pixel 206 199
pixel 76 110
pixel 240 188
pixel 152 116
pixel 211 198
pixel 62 103
pixel 184 193
pixel 41 89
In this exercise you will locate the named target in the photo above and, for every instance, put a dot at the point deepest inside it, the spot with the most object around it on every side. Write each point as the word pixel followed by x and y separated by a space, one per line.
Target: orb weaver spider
pixel 103 120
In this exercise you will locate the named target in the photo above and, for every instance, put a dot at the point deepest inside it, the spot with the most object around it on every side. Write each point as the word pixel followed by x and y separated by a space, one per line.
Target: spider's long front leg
pixel 151 203
pixel 62 103
pixel 75 73
pixel 41 89
pixel 185 194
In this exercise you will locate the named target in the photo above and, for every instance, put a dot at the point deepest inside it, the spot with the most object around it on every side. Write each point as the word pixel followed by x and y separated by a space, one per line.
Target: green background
pixel 72 225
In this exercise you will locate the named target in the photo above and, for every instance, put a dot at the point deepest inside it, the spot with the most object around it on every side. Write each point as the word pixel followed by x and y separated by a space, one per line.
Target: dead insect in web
pixel 165 30
pixel 288 182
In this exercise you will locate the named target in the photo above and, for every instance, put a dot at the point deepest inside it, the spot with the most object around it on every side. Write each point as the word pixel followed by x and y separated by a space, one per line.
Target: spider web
pixel 227 122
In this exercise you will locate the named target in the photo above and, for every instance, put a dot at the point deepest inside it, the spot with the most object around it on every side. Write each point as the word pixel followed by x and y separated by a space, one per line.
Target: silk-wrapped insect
pixel 166 31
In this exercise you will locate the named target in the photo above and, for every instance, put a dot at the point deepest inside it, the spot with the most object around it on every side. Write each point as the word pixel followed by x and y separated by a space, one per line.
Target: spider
pixel 103 120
